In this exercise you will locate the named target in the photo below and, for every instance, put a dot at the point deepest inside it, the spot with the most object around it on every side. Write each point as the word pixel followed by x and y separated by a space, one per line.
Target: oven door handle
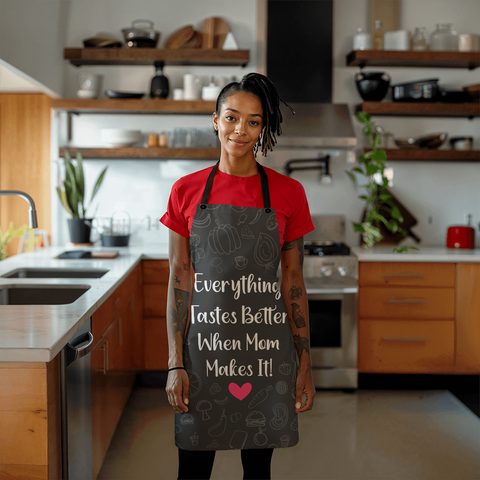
pixel 405 339
pixel 406 300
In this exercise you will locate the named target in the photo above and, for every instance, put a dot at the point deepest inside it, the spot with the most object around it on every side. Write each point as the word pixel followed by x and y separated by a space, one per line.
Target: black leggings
pixel 197 465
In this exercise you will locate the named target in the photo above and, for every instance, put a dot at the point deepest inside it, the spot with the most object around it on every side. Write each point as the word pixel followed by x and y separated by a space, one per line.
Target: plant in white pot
pixel 72 197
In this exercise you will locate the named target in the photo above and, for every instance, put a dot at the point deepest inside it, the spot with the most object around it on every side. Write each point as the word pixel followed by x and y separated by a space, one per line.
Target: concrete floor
pixel 369 434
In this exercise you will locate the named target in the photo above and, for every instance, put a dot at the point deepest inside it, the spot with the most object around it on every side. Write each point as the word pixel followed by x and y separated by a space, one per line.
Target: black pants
pixel 197 465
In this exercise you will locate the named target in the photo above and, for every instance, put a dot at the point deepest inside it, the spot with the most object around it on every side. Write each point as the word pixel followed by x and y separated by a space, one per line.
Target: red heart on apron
pixel 240 392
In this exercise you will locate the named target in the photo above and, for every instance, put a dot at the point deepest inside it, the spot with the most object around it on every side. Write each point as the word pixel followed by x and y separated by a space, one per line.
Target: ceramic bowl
pixel 120 137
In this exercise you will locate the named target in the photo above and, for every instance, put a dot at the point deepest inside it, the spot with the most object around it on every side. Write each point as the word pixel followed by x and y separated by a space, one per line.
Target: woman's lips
pixel 239 143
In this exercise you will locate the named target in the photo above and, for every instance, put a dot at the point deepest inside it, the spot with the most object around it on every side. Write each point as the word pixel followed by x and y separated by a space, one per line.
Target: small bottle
pixel 378 35
pixel 159 87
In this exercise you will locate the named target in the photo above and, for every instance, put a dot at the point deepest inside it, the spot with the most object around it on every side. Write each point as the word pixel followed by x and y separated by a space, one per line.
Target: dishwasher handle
pixel 78 347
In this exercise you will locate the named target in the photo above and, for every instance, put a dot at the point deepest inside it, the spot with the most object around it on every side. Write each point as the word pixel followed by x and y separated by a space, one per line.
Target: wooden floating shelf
pixel 421 109
pixel 434 155
pixel 144 152
pixel 157 106
pixel 390 58
pixel 146 56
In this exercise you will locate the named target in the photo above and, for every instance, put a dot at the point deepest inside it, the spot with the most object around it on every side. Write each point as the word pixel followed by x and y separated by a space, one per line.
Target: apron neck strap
pixel 263 180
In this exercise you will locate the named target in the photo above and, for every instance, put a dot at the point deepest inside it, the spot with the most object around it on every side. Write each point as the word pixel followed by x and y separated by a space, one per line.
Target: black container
pixel 80 229
pixel 372 86
pixel 115 240
pixel 159 87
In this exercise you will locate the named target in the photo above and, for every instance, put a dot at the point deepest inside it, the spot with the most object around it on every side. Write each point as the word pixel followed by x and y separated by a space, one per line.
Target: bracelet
pixel 176 368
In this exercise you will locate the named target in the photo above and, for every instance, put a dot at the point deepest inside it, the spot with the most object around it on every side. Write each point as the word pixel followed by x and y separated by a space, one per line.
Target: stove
pixel 330 274
pixel 321 249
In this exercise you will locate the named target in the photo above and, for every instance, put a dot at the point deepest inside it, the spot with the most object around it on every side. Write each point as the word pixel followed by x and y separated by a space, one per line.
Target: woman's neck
pixel 240 167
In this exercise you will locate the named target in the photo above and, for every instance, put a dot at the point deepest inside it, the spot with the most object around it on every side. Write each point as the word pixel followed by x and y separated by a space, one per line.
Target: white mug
pixel 191 87
pixel 178 94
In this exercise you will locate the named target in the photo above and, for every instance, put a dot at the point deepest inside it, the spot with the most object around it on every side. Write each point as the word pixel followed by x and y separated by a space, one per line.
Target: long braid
pixel 265 90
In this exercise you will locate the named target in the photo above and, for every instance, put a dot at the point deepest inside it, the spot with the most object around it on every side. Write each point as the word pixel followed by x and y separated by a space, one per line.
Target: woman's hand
pixel 304 385
pixel 177 390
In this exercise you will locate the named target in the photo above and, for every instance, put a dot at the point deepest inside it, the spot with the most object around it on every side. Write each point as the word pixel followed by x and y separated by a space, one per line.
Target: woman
pixel 236 379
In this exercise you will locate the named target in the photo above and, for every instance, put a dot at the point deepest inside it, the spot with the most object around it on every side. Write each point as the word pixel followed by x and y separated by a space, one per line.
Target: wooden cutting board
pixel 195 41
pixel 215 30
pixel 112 254
pixel 180 37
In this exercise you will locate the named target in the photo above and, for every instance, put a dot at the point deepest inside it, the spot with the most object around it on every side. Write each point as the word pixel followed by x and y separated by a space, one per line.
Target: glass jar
pixel 420 39
pixel 362 40
pixel 444 38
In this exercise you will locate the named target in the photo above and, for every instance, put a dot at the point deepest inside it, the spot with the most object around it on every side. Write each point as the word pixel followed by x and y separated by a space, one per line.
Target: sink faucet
pixel 32 213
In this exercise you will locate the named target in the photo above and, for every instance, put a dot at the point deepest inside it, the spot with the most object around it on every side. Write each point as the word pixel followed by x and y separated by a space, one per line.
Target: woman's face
pixel 239 124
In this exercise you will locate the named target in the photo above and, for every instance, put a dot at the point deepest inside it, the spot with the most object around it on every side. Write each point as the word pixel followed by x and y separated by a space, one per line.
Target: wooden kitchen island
pixel 127 308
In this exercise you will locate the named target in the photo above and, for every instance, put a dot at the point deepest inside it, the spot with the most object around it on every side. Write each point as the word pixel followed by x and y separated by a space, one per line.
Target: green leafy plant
pixel 379 201
pixel 7 236
pixel 73 194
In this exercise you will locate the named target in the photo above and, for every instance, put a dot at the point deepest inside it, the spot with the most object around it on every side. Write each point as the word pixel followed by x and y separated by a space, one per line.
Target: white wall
pixel 32 37
pixel 443 192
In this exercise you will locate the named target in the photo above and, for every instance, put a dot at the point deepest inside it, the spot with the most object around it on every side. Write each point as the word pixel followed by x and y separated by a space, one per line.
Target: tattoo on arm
pixel 297 315
pixel 177 279
pixel 179 313
pixel 295 293
pixel 291 245
pixel 301 344
pixel 185 266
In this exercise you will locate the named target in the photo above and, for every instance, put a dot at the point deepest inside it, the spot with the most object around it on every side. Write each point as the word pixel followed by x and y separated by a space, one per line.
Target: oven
pixel 331 280
pixel 333 336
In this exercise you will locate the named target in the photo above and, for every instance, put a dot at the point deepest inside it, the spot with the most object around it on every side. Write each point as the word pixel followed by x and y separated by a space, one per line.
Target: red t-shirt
pixel 287 197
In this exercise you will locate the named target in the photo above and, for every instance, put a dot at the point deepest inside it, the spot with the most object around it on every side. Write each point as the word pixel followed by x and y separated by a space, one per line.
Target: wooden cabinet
pixel 155 281
pixel 30 441
pixel 419 318
pixel 24 159
pixel 115 356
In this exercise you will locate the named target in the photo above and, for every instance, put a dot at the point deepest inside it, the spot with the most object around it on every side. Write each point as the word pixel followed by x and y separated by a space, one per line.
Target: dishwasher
pixel 76 404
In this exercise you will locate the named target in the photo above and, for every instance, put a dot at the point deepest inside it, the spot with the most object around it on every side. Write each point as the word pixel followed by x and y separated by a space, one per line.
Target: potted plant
pixel 7 236
pixel 73 198
pixel 378 199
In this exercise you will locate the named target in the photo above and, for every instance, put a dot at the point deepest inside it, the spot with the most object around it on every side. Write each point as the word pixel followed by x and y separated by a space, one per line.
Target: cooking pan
pixel 389 237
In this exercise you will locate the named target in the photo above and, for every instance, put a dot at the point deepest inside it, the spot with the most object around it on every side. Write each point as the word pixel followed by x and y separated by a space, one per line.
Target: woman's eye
pixel 255 124
pixel 230 118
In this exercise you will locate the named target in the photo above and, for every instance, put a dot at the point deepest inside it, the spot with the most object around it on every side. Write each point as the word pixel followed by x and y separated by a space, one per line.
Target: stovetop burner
pixel 326 248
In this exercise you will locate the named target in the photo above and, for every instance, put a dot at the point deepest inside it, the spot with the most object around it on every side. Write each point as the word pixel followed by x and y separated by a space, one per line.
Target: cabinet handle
pixel 405 339
pixel 120 333
pixel 406 300
pixel 104 348
pixel 417 275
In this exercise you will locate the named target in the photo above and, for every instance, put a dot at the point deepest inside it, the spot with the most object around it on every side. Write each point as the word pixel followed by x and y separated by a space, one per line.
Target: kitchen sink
pixel 40 295
pixel 54 273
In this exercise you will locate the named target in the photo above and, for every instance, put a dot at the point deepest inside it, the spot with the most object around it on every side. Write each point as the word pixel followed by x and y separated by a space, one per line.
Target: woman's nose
pixel 240 128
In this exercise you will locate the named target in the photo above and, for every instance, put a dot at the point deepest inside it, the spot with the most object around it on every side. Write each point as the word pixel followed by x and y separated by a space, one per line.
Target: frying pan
pixel 389 237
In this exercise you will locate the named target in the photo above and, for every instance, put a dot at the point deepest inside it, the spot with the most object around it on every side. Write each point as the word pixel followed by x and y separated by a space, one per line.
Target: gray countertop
pixel 425 254
pixel 37 333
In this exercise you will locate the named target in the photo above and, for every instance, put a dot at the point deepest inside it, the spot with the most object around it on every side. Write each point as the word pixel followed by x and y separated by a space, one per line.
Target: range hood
pixel 317 125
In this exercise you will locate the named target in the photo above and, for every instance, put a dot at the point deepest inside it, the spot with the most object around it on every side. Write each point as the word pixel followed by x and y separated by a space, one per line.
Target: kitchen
pixel 439 195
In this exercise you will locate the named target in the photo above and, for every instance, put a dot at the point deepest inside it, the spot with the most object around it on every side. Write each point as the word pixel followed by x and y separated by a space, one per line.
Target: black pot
pixel 372 86
pixel 80 229
pixel 115 240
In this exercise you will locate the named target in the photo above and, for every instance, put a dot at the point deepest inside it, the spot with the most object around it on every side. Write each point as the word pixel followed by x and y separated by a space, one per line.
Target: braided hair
pixel 260 86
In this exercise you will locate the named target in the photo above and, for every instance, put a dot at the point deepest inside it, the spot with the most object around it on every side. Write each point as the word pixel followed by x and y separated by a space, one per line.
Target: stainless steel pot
pixel 141 35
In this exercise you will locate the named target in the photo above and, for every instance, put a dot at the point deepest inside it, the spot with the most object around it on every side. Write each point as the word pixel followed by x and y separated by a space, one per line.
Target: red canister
pixel 460 236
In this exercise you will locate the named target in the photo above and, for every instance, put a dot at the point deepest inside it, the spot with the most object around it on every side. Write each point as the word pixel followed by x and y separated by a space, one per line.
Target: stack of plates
pixel 120 137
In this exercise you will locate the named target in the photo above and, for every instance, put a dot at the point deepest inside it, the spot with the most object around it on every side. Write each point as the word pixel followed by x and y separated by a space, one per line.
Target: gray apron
pixel 239 351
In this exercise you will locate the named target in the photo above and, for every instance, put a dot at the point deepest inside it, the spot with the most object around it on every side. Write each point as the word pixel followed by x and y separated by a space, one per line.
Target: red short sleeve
pixel 300 223
pixel 173 218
